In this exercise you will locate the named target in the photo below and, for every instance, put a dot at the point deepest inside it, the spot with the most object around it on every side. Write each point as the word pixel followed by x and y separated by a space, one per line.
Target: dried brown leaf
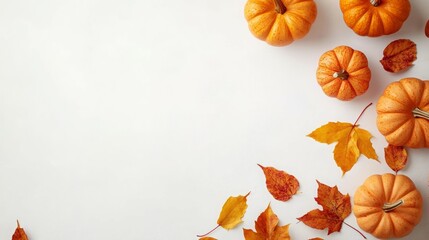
pixel 396 157
pixel 399 55
pixel 336 207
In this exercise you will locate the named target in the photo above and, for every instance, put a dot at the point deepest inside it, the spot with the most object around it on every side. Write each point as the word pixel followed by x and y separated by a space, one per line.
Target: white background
pixel 126 119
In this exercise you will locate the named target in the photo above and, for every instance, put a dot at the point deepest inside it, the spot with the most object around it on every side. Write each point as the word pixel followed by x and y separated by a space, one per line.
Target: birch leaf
pixel 232 212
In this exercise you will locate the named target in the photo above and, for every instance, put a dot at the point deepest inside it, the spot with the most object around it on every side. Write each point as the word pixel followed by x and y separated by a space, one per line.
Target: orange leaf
pixel 352 141
pixel 267 228
pixel 207 238
pixel 399 55
pixel 280 184
pixel 335 208
pixel 232 212
pixel 19 233
pixel 396 157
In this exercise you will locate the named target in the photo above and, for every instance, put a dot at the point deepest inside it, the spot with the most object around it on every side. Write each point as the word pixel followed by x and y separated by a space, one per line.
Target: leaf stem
pixel 350 226
pixel 203 235
pixel 360 115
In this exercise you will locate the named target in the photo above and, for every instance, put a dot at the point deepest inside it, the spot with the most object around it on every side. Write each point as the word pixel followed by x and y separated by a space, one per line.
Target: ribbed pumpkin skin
pixel 366 19
pixel 354 63
pixel 370 197
pixel 395 119
pixel 278 29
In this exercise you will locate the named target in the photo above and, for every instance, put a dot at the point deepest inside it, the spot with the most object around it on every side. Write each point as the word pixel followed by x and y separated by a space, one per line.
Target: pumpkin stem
pixel 375 3
pixel 343 75
pixel 387 207
pixel 418 113
pixel 280 7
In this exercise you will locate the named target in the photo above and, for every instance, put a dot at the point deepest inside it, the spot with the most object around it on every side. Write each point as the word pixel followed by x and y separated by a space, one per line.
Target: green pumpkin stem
pixel 387 207
pixel 418 113
pixel 280 7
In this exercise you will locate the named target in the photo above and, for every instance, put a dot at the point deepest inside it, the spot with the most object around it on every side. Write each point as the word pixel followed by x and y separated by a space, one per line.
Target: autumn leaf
pixel 267 228
pixel 352 141
pixel 281 185
pixel 396 157
pixel 335 208
pixel 19 233
pixel 207 238
pixel 399 55
pixel 316 238
pixel 232 213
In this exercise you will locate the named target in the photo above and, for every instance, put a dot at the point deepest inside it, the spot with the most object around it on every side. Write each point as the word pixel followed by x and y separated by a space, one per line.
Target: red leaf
pixel 19 233
pixel 336 207
pixel 281 185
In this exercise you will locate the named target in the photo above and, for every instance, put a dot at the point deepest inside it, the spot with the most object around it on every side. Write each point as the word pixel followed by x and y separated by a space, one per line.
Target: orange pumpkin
pixel 403 113
pixel 375 17
pixel 343 73
pixel 280 22
pixel 388 206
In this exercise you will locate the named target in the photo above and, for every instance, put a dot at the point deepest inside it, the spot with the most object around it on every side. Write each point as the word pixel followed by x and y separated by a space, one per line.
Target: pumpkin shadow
pixel 322 26
pixel 415 24
pixel 414 154
pixel 377 84
pixel 415 160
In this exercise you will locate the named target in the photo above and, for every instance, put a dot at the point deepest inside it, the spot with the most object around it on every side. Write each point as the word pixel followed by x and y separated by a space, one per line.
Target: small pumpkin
pixel 375 17
pixel 343 73
pixel 388 206
pixel 403 113
pixel 280 22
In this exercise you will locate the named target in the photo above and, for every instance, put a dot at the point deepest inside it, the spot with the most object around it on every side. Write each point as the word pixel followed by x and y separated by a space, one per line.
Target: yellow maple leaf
pixel 331 132
pixel 233 211
pixel 364 143
pixel 352 141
